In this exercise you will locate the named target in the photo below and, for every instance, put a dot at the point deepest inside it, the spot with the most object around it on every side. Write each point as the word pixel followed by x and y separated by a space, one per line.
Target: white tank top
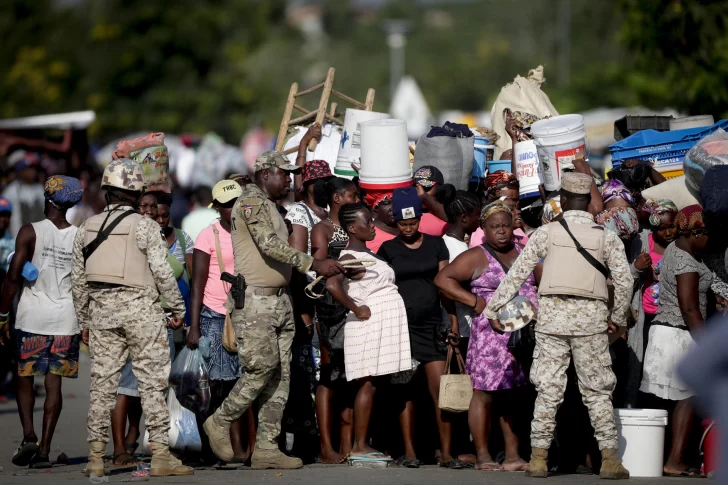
pixel 46 304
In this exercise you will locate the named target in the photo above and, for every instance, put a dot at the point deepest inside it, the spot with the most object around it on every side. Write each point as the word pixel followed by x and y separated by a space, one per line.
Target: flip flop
pixel 128 463
pixel 452 464
pixel 689 473
pixel 373 456
pixel 489 467
pixel 25 453
pixel 407 463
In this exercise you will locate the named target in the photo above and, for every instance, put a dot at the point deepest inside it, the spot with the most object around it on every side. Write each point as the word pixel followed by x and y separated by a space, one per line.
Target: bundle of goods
pixel 450 148
pixel 665 150
pixel 525 100
pixel 149 151
pixel 708 152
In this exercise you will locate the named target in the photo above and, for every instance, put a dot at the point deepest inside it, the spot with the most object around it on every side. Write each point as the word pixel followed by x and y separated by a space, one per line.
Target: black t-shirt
pixel 415 271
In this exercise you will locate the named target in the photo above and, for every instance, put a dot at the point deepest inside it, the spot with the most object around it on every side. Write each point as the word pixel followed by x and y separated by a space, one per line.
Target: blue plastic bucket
pixel 482 154
pixel 494 165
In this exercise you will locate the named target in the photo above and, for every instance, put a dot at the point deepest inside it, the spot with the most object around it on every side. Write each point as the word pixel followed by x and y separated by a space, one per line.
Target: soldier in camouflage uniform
pixel 116 293
pixel 264 327
pixel 572 326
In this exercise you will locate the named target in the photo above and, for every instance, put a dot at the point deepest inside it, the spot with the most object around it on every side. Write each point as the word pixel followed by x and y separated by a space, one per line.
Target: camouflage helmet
pixel 516 314
pixel 124 173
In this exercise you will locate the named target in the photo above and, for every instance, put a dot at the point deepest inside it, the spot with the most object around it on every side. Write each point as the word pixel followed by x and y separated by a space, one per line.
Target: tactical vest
pixel 565 271
pixel 258 269
pixel 117 260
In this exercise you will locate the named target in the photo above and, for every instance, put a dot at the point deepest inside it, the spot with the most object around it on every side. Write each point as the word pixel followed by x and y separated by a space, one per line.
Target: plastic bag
pixel 190 381
pixel 524 95
pixel 708 152
pixel 183 432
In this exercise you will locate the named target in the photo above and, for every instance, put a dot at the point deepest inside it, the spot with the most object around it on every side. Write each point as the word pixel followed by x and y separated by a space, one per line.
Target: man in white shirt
pixel 47 331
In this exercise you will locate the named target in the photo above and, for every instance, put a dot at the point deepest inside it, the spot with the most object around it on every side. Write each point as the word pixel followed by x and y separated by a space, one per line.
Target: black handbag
pixel 522 342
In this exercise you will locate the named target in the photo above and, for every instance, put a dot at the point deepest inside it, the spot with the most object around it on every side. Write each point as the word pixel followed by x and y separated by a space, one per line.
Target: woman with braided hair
pixel 328 237
pixel 376 341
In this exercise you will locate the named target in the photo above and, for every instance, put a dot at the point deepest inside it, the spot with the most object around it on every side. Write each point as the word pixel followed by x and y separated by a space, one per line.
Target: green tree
pixel 681 50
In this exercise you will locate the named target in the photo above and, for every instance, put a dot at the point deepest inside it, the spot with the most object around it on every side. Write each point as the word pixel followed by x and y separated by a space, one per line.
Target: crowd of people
pixel 390 289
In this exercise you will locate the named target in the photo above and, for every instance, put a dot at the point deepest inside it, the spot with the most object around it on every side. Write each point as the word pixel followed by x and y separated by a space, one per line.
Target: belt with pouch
pixel 265 291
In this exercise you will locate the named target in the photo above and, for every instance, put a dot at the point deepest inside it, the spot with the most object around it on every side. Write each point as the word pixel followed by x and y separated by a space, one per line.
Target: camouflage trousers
pixel 148 345
pixel 264 329
pixel 596 383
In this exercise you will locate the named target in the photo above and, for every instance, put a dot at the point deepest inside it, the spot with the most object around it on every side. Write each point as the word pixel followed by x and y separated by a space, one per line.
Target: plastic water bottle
pixel 29 272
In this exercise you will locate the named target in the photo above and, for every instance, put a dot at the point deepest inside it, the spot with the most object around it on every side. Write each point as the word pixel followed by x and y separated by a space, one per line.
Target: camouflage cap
pixel 273 159
pixel 124 173
pixel 517 313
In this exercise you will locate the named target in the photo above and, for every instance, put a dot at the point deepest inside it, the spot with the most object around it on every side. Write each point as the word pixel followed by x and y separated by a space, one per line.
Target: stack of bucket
pixel 559 140
pixel 350 148
pixel 385 160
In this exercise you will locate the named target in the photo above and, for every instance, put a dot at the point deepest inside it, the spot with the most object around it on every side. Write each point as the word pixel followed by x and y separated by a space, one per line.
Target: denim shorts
pixel 223 365
pixel 128 382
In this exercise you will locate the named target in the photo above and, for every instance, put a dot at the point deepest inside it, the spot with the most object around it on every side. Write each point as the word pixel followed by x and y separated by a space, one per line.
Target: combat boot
pixel 166 465
pixel 96 455
pixel 275 459
pixel 538 467
pixel 612 468
pixel 219 436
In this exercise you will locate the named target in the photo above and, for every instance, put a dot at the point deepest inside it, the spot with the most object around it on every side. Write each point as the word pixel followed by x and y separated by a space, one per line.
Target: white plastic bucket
pixel 350 147
pixel 483 153
pixel 385 161
pixel 560 140
pixel 641 440
pixel 528 168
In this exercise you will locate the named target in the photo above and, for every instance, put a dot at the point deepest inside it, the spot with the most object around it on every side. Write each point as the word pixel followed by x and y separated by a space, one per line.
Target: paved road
pixel 70 439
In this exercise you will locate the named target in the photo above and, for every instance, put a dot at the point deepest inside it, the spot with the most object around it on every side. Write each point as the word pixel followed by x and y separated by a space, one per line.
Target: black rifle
pixel 237 288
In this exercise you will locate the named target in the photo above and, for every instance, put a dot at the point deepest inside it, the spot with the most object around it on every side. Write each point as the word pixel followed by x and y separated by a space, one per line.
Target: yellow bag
pixel 456 390
pixel 229 339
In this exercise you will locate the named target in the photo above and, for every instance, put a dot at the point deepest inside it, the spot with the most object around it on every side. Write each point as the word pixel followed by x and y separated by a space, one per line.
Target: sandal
pixel 489 467
pixel 126 463
pixel 689 473
pixel 25 453
pixel 407 463
pixel 40 462
pixel 452 464
pixel 373 456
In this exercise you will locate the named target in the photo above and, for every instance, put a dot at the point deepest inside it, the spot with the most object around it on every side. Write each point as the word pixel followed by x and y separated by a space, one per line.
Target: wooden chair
pixel 325 111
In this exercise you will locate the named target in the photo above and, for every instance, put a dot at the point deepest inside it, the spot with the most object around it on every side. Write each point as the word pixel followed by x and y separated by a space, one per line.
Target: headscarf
pixel 375 197
pixel 690 219
pixel 493 208
pixel 523 122
pixel 614 189
pixel 498 180
pixel 659 207
pixel 622 220
pixel 63 192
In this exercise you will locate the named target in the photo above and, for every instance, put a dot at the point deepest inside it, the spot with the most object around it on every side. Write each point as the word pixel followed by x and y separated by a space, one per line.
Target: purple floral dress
pixel 490 364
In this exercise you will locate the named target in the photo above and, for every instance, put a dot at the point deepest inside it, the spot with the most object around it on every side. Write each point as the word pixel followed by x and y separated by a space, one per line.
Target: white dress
pixel 381 345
